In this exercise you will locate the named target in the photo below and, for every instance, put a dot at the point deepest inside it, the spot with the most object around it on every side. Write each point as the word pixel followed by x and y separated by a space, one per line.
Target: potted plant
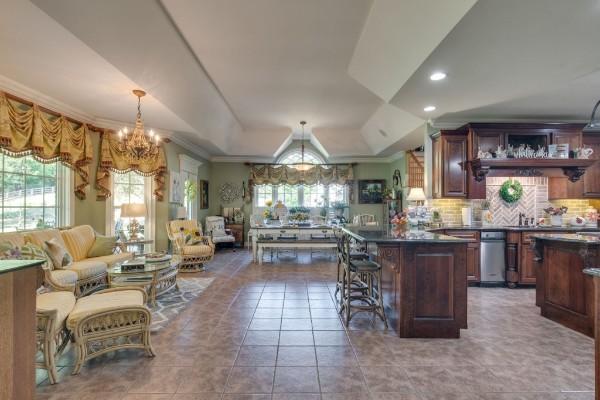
pixel 556 214
pixel 486 214
pixel 387 193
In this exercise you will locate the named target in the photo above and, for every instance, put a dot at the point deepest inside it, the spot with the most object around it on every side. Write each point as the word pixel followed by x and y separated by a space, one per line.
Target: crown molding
pixel 333 160
pixel 449 124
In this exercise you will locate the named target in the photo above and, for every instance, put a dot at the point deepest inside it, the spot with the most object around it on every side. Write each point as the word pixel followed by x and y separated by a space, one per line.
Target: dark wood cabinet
pixel 473 248
pixel 237 230
pixel 561 187
pixel 449 152
pixel 572 138
pixel 527 266
pixel 591 178
pixel 485 141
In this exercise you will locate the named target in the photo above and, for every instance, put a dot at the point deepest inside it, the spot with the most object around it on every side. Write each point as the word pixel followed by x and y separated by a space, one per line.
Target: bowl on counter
pixel 577 221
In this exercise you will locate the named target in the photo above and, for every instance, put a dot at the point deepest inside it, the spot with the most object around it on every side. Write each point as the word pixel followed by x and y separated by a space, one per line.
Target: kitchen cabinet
pixel 561 187
pixel 237 230
pixel 484 140
pixel 449 152
pixel 473 249
pixel 591 178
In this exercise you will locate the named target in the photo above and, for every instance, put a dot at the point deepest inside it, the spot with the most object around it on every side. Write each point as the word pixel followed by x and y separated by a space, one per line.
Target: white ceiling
pixel 234 77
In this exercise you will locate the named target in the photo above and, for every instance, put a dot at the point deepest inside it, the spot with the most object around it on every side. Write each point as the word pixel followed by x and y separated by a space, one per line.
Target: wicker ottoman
pixel 109 320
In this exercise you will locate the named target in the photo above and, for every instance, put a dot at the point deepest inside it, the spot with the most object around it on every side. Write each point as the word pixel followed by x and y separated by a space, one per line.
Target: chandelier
pixel 138 144
pixel 303 166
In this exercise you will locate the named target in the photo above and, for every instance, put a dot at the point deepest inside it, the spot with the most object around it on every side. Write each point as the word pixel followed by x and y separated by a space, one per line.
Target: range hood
pixel 572 168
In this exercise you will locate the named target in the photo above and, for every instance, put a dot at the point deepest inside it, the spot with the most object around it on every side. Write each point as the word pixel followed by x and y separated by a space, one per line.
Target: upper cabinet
pixel 449 152
pixel 453 148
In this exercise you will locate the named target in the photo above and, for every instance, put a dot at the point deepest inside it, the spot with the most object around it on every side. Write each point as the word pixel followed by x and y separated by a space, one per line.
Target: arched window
pixel 295 157
pixel 313 196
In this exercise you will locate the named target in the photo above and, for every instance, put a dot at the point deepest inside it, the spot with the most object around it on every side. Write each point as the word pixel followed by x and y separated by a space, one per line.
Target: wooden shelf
pixel 573 168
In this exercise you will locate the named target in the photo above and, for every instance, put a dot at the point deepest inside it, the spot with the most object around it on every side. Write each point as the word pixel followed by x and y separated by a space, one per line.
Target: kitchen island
pixel 563 292
pixel 18 284
pixel 424 281
pixel 595 273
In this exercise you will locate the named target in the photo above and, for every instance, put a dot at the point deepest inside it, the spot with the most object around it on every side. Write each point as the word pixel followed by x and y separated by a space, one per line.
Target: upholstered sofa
pixel 85 274
pixel 194 256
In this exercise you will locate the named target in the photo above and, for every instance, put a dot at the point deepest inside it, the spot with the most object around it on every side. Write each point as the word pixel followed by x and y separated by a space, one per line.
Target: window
pixel 130 188
pixel 188 169
pixel 34 195
pixel 312 196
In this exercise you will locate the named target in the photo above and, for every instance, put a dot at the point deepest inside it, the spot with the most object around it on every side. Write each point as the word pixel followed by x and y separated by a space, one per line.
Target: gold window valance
pixel 115 160
pixel 25 129
pixel 340 174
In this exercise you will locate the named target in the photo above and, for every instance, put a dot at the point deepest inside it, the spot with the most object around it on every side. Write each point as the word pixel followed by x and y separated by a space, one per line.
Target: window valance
pixel 325 174
pixel 112 159
pixel 26 129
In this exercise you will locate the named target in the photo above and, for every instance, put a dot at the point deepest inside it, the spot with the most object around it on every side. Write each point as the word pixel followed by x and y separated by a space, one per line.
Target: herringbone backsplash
pixel 532 204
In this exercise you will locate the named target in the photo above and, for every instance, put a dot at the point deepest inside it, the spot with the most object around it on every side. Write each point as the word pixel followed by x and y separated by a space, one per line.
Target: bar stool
pixel 361 291
pixel 357 255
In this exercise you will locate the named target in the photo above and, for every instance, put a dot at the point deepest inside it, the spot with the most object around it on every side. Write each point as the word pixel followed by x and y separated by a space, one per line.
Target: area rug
pixel 170 304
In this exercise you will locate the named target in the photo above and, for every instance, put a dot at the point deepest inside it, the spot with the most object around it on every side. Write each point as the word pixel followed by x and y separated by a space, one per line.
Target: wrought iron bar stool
pixel 361 290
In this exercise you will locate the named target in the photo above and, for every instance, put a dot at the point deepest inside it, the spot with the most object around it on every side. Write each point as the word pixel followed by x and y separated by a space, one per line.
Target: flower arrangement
pixel 268 214
pixel 190 237
pixel 268 203
pixel 299 217
pixel 299 209
pixel 554 211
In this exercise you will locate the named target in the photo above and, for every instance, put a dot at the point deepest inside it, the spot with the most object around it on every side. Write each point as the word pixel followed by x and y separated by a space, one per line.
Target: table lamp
pixel 417 194
pixel 181 213
pixel 133 210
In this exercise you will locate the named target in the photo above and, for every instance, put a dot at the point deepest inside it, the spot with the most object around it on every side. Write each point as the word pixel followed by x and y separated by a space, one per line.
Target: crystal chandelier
pixel 138 144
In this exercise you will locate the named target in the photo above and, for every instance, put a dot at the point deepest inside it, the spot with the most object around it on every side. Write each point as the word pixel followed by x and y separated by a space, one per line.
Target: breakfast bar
pixel 424 282
pixel 18 283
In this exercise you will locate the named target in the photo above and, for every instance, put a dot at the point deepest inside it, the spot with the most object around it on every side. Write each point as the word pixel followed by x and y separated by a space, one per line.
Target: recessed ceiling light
pixel 429 108
pixel 437 76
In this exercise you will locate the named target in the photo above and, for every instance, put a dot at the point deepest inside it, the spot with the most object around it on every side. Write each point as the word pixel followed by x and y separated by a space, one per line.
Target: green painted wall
pixel 93 212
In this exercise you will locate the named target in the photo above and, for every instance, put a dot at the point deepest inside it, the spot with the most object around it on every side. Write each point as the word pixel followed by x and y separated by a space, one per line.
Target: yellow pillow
pixel 103 246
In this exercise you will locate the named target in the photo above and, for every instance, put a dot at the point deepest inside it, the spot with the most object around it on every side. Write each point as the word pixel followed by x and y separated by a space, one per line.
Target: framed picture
pixel 370 191
pixel 175 188
pixel 203 194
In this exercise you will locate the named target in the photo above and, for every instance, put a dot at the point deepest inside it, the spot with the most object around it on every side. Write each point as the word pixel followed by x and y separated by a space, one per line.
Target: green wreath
pixel 511 191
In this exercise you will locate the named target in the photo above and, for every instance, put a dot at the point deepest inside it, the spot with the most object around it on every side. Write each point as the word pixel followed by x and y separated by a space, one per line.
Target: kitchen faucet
pixel 521 216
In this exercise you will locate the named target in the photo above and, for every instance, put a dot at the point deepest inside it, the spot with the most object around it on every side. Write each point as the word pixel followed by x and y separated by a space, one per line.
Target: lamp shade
pixel 133 210
pixel 181 213
pixel 416 194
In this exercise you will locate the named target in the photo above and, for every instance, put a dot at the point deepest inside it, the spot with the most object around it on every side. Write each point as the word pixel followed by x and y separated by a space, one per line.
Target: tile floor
pixel 272 332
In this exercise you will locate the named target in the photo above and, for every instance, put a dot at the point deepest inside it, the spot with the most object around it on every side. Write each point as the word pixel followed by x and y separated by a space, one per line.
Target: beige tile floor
pixel 272 332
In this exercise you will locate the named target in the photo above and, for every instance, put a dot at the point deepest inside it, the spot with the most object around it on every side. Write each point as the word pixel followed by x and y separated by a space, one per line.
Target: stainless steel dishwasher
pixel 493 259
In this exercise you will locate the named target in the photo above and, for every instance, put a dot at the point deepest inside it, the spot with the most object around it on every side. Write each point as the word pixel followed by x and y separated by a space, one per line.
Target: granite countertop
pixel 15 265
pixel 479 227
pixel 569 237
pixel 592 271
pixel 292 227
pixel 388 234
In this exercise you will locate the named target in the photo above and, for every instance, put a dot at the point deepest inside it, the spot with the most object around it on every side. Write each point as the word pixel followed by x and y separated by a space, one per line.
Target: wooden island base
pixel 425 288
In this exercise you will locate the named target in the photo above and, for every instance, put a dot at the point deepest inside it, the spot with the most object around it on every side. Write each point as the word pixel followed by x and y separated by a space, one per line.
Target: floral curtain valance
pixel 284 174
pixel 115 160
pixel 25 130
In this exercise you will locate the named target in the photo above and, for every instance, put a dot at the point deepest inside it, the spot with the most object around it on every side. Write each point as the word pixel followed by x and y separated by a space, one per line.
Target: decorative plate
pixel 230 192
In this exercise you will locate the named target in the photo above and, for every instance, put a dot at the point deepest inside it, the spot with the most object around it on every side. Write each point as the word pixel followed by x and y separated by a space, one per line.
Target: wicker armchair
pixel 193 257
pixel 51 334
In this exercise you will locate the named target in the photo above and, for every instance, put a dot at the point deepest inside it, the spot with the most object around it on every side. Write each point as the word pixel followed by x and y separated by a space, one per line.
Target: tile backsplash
pixel 533 202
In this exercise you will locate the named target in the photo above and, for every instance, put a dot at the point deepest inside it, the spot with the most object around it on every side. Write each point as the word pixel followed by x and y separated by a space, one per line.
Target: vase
pixel 556 220
pixel 487 218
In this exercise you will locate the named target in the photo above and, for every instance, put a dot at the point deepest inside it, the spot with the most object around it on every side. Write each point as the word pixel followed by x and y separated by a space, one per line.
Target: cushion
pixel 200 249
pixel 27 251
pixel 223 239
pixel 79 241
pixel 16 239
pixel 103 246
pixel 193 238
pixel 62 302
pixel 102 301
pixel 186 224
pixel 64 277
pixel 58 254
pixel 113 258
pixel 217 232
pixel 88 268
pixel 40 237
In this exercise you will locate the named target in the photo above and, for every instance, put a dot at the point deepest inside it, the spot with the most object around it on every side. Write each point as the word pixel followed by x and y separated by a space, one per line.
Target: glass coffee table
pixel 156 277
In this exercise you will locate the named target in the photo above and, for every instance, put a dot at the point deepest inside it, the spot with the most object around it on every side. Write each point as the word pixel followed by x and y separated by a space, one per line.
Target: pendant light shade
pixel 594 125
